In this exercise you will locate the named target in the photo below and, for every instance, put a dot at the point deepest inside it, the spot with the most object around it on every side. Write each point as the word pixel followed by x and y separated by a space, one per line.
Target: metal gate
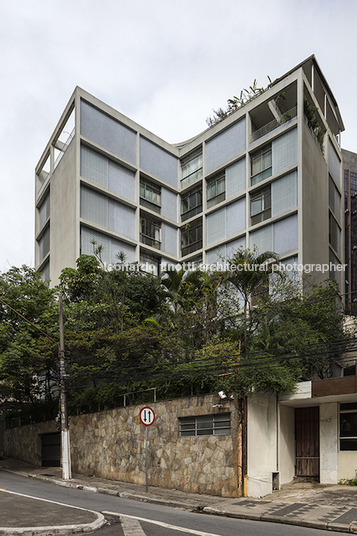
pixel 307 441
pixel 51 449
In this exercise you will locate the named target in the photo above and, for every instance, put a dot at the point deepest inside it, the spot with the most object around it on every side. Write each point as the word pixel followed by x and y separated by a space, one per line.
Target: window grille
pixel 219 424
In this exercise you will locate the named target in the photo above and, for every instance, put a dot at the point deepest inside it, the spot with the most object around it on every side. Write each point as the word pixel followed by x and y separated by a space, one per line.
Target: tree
pixel 28 320
pixel 249 274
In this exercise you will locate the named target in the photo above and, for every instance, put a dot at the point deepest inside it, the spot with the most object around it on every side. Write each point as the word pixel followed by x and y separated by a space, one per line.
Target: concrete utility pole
pixel 65 444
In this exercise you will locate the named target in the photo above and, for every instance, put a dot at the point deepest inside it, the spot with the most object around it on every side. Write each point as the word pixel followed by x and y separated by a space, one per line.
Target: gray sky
pixel 164 64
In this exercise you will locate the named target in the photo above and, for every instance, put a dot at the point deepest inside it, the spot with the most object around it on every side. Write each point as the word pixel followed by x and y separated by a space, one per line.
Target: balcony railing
pixel 272 125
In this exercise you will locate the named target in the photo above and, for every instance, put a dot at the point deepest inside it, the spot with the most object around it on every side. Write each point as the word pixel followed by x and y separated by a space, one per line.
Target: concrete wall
pixel 328 443
pixel 313 203
pixel 261 444
pixel 347 465
pixel 110 444
pixel 64 236
pixel 286 444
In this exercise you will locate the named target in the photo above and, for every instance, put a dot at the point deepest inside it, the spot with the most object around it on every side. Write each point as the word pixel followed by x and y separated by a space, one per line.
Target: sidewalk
pixel 330 507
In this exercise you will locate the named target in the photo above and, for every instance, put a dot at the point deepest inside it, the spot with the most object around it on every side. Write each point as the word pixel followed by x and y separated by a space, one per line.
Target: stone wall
pixel 24 442
pixel 111 444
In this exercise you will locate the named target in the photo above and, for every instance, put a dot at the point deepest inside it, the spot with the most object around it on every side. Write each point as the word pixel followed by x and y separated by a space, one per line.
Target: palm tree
pixel 249 271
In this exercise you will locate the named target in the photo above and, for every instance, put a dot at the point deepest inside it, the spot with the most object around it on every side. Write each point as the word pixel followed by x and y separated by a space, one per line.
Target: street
pixel 128 517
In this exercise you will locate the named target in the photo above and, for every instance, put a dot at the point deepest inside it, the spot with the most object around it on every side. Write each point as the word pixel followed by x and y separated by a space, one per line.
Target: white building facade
pixel 268 176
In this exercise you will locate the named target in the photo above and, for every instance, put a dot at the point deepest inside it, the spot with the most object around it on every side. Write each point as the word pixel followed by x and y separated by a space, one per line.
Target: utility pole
pixel 65 444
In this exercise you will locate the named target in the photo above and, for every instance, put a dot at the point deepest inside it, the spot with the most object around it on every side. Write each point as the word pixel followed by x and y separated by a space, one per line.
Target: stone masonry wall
pixel 24 442
pixel 111 444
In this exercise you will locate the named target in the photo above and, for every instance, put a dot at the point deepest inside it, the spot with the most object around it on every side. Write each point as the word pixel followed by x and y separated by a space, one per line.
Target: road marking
pixel 165 525
pixel 47 500
pixel 131 527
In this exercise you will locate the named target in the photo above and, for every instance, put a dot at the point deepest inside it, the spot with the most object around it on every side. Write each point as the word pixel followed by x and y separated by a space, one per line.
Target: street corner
pixel 23 514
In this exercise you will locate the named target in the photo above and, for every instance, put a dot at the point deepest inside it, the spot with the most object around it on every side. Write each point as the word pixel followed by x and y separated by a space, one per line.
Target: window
pixel 150 195
pixel 44 211
pixel 191 167
pixel 334 199
pixel 150 233
pixel 150 263
pixel 261 165
pixel 44 244
pixel 348 426
pixel 334 234
pixel 191 237
pixel 260 206
pixel 216 191
pixel 191 204
pixel 219 424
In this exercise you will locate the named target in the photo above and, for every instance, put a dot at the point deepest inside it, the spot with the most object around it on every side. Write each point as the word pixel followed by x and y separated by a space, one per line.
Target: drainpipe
pixel 277 431
pixel 244 447
pixel 349 241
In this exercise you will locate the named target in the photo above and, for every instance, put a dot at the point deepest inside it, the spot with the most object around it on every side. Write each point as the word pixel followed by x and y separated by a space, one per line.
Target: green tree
pixel 27 314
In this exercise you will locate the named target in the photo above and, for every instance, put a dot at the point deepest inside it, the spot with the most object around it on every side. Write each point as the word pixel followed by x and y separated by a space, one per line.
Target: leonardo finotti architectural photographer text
pixel 227 267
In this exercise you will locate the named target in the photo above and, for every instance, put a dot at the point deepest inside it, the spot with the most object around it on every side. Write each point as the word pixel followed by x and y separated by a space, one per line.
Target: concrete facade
pixel 111 444
pixel 259 178
pixel 271 423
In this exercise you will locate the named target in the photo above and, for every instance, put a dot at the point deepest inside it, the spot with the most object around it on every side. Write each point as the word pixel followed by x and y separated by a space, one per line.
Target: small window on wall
pixel 191 237
pixel 348 426
pixel 216 190
pixel 261 165
pixel 260 205
pixel 150 233
pixel 191 167
pixel 191 204
pixel 150 263
pixel 150 195
pixel 199 425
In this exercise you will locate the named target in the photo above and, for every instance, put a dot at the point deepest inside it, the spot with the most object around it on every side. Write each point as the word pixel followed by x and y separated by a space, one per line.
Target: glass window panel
pixel 220 186
pixel 348 444
pixel 266 174
pixel 211 190
pixel 256 165
pixel 348 425
pixel 266 160
pixel 256 206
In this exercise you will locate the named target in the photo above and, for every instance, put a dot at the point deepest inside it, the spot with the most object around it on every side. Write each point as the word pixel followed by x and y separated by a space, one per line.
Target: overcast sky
pixel 164 64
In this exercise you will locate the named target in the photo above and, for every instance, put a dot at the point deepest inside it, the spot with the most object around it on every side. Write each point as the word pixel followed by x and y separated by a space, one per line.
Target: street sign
pixel 147 416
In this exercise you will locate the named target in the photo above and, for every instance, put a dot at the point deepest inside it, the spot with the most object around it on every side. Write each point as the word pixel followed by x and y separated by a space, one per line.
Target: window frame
pixel 196 242
pixel 192 210
pixel 151 260
pixel 344 440
pixel 152 239
pixel 144 199
pixel 193 164
pixel 218 194
pixel 216 424
pixel 265 211
pixel 264 172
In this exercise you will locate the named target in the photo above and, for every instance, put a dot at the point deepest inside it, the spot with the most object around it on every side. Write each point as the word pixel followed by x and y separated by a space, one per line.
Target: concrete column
pixel 328 443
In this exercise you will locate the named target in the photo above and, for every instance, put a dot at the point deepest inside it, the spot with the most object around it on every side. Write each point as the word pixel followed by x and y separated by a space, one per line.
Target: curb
pixel 104 491
pixel 351 528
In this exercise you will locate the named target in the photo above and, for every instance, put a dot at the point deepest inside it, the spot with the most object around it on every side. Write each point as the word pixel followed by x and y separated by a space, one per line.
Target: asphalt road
pixel 142 519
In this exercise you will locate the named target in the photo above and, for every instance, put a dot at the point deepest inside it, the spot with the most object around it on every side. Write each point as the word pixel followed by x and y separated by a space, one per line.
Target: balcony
pixel 272 125
pixel 344 385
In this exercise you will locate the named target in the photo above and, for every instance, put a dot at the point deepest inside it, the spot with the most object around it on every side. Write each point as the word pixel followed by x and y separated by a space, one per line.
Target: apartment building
pixel 267 176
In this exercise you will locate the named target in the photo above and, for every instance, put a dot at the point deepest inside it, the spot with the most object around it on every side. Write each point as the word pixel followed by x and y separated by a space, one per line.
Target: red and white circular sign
pixel 147 416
